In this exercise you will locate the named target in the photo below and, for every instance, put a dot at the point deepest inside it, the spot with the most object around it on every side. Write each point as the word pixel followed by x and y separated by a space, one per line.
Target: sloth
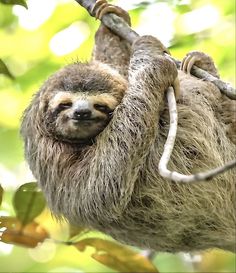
pixel 94 134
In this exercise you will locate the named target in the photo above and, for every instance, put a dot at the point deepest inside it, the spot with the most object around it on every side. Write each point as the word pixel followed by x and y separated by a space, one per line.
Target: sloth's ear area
pixel 44 98
pixel 42 104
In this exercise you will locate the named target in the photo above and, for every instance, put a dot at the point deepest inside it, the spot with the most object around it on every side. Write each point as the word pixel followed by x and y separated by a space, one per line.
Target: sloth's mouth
pixel 83 119
pixel 87 121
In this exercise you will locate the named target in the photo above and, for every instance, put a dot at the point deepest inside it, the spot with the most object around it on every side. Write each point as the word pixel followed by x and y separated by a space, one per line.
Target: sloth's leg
pixel 226 108
pixel 226 112
pixel 110 48
pixel 201 60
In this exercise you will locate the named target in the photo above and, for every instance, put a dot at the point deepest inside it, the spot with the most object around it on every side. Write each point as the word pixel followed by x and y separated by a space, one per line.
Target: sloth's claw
pixel 97 7
pixel 101 7
pixel 191 62
pixel 188 63
pixel 110 9
pixel 200 59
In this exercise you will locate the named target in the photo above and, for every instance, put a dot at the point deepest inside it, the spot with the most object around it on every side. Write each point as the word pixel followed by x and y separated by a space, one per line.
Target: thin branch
pixel 224 87
pixel 149 254
pixel 169 145
pixel 87 4
pixel 122 29
pixel 119 27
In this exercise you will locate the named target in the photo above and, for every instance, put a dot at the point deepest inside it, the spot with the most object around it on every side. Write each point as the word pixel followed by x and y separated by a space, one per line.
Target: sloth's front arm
pixel 121 149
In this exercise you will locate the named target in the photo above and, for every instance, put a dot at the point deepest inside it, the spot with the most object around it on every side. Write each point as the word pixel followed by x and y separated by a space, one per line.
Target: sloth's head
pixel 80 116
pixel 78 101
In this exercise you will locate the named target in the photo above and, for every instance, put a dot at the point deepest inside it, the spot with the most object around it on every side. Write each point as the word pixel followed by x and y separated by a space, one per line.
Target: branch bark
pixel 150 254
pixel 122 29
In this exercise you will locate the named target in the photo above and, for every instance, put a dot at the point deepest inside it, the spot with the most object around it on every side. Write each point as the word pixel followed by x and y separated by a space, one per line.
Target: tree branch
pixel 122 29
pixel 149 254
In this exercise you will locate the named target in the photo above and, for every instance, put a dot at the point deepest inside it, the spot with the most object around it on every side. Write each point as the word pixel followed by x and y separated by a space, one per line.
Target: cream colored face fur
pixel 81 116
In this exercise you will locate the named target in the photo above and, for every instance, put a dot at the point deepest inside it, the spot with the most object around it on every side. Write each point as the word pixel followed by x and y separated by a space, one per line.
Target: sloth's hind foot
pixel 199 59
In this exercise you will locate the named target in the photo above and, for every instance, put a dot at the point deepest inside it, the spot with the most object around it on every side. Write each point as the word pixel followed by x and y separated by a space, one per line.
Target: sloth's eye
pixel 102 108
pixel 65 105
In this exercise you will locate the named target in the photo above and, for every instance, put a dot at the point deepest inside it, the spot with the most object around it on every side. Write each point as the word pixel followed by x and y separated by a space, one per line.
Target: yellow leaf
pixel 15 233
pixel 117 256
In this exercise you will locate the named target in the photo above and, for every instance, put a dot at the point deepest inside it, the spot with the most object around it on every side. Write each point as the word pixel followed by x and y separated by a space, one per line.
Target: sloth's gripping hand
pixel 101 7
pixel 150 54
pixel 201 60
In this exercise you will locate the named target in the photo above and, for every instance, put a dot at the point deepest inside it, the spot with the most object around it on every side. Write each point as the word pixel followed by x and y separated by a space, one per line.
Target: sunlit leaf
pixel 28 202
pixel 182 8
pixel 76 231
pixel 4 70
pixel 15 2
pixel 116 256
pixel 217 259
pixel 13 232
pixel 1 194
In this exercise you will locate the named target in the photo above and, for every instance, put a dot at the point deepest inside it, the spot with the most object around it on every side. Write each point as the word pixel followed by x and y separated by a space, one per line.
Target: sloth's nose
pixel 81 114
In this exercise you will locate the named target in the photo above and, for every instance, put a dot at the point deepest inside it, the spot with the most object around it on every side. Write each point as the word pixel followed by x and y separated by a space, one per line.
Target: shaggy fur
pixel 113 185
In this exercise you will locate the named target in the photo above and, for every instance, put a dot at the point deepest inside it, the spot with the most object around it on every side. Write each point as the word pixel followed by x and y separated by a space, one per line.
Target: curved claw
pixel 188 63
pixel 100 4
pixel 191 62
pixel 101 7
pixel 109 9
pixel 184 63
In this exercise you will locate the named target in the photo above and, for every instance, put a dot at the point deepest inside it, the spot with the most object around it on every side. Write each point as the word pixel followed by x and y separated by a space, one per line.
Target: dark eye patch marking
pixel 102 108
pixel 64 105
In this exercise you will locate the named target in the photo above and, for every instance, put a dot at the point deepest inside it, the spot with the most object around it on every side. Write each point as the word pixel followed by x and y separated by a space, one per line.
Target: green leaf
pixel 1 194
pixel 15 233
pixel 15 2
pixel 4 70
pixel 182 8
pixel 117 256
pixel 28 202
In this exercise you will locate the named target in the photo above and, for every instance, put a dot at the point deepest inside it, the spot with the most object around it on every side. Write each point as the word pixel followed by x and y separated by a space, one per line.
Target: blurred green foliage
pixel 14 2
pixel 37 41
pixel 28 202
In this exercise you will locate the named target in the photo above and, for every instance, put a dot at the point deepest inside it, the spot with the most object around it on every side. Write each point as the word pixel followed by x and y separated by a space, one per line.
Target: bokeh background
pixel 34 43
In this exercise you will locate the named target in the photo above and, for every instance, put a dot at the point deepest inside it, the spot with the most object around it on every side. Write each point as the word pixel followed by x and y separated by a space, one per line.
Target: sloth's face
pixel 80 116
pixel 77 102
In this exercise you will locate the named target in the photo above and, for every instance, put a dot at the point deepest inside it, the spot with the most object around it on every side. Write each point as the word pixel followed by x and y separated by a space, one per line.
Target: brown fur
pixel 113 185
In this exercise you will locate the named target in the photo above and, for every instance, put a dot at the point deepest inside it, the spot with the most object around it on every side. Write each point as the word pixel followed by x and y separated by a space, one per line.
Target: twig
pixel 224 87
pixel 169 145
pixel 119 27
pixel 149 254
pixel 122 29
